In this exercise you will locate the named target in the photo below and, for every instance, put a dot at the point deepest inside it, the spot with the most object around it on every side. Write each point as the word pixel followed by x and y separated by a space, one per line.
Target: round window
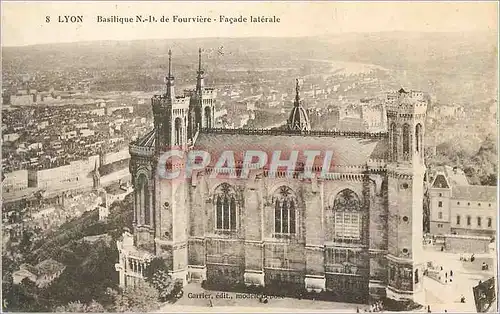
pixel 405 251
pixel 404 186
pixel 405 218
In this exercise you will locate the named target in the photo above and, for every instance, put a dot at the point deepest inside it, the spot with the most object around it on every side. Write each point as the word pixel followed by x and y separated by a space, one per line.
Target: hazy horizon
pixel 489 32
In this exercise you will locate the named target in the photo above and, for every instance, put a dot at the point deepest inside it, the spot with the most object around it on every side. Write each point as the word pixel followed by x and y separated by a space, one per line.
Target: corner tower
pixel 202 106
pixel 170 115
pixel 406 112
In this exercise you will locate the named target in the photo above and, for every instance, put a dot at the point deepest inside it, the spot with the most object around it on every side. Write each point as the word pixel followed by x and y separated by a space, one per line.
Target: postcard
pixel 215 156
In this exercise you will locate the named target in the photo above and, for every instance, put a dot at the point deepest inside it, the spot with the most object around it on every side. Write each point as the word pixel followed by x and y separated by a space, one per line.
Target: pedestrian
pixel 462 299
pixel 429 309
pixel 446 274
pixel 451 273
pixel 357 309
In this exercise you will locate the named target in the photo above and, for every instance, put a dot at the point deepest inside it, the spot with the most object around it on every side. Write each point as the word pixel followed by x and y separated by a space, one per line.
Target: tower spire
pixel 199 60
pixel 169 63
pixel 297 94
pixel 170 77
pixel 199 79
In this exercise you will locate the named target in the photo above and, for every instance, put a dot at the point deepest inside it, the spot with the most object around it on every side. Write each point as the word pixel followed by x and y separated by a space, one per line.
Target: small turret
pixel 298 120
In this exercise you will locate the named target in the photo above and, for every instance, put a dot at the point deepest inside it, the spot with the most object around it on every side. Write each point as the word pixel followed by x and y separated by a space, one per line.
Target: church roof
pixel 478 193
pixel 440 182
pixel 147 140
pixel 298 119
pixel 347 151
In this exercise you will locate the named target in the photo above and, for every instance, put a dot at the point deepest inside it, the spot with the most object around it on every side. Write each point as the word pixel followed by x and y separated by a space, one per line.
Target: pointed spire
pixel 169 63
pixel 199 78
pixel 170 78
pixel 297 94
pixel 199 60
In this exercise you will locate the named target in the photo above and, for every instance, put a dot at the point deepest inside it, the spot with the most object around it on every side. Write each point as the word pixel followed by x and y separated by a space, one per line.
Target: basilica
pixel 355 232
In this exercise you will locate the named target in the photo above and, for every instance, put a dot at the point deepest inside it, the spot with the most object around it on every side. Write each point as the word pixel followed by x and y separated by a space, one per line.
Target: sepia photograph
pixel 246 157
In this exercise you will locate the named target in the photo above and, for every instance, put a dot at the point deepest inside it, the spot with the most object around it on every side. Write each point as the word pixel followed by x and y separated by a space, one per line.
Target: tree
pixel 164 284
pixel 139 298
pixel 92 307
pixel 157 275
pixel 156 264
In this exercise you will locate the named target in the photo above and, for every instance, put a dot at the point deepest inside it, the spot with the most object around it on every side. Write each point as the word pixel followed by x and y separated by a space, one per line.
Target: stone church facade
pixel 356 231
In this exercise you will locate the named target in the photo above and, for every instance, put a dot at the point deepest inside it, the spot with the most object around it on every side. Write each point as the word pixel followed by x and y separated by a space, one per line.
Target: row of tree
pixel 145 296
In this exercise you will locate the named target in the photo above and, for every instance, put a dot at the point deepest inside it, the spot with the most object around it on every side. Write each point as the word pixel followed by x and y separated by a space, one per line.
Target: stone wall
pixel 466 244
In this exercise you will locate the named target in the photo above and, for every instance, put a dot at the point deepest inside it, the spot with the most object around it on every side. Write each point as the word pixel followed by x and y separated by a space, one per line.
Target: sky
pixel 24 23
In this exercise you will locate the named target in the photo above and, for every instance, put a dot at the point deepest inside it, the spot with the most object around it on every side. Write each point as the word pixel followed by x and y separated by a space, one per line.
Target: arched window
pixel 285 205
pixel 143 200
pixel 468 221
pixel 178 131
pixel 489 222
pixel 225 208
pixel 406 141
pixel 418 137
pixel 479 221
pixel 208 117
pixel 416 276
pixel 394 140
pixel 458 219
pixel 346 217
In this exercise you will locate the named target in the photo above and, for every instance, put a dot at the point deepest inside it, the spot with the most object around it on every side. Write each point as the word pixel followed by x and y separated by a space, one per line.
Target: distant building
pixel 10 137
pixel 22 100
pixel 15 181
pixel 42 274
pixel 456 207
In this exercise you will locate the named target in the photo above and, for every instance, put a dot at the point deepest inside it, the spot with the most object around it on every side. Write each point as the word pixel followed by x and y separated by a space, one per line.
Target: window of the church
pixel 208 117
pixel 406 141
pixel 394 141
pixel 346 217
pixel 285 211
pixel 143 199
pixel 178 131
pixel 225 208
pixel 341 260
pixel 418 137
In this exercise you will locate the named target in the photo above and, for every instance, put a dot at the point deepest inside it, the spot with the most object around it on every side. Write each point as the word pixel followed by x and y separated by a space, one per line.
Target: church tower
pixel 170 115
pixel 298 120
pixel 170 215
pixel 406 112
